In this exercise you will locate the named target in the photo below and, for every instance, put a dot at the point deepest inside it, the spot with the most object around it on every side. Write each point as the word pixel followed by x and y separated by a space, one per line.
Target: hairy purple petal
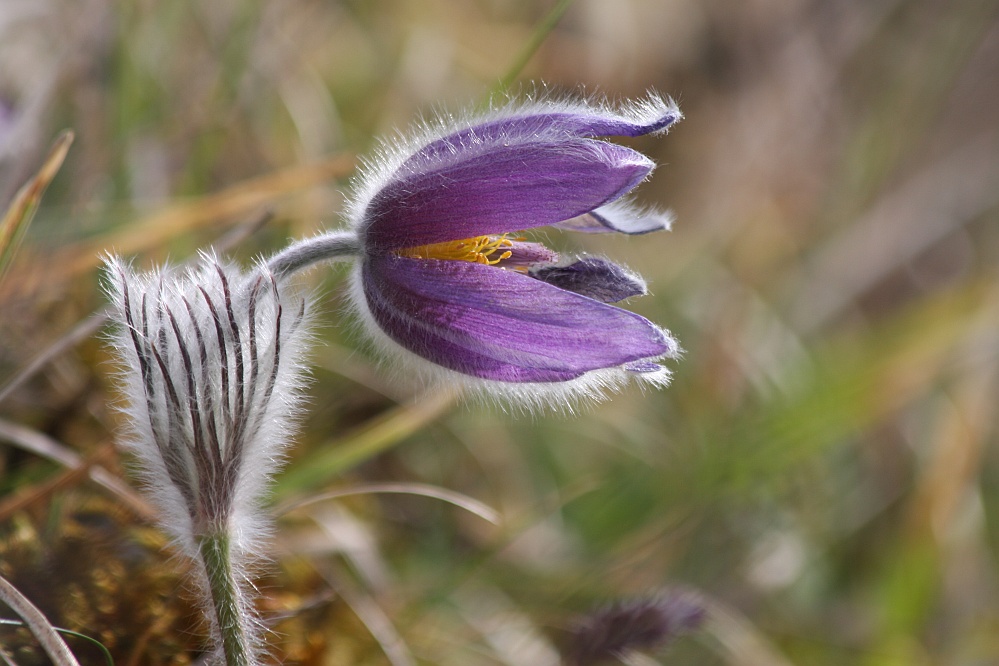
pixel 655 114
pixel 500 189
pixel 594 277
pixel 620 217
pixel 502 325
pixel 642 367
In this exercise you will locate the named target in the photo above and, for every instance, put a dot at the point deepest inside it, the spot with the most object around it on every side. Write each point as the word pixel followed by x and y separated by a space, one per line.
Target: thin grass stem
pixel 527 52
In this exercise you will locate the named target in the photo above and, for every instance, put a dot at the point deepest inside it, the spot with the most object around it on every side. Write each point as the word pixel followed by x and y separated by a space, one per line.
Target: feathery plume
pixel 644 624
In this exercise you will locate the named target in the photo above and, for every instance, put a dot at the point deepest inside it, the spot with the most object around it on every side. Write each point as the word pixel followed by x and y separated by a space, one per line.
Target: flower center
pixel 480 250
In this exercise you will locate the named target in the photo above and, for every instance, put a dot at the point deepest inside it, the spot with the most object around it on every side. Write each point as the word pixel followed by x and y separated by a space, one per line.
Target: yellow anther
pixel 478 250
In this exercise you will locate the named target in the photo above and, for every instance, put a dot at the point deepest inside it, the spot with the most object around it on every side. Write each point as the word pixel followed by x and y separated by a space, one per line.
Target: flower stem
pixel 328 247
pixel 230 615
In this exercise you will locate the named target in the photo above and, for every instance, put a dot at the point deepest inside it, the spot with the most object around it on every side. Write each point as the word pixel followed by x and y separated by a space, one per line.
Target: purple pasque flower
pixel 445 275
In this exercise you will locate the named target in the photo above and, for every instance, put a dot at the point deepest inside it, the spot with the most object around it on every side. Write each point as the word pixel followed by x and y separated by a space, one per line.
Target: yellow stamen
pixel 480 250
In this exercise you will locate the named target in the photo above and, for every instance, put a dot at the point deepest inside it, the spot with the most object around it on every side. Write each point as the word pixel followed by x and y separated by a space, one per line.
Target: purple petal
pixel 498 189
pixel 642 367
pixel 654 114
pixel 620 217
pixel 502 325
pixel 596 278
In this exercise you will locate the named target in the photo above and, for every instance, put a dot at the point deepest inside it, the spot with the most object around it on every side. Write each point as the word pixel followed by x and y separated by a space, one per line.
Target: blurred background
pixel 823 469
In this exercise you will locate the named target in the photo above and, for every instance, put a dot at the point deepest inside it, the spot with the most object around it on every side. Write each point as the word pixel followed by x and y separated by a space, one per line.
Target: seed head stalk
pixel 231 614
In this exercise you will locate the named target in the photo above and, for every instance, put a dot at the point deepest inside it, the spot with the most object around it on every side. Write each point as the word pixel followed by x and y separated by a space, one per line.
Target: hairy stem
pixel 230 613
pixel 333 246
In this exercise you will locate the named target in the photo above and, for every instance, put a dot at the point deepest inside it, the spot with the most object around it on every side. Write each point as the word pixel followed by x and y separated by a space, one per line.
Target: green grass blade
pixel 22 209
pixel 538 38
pixel 68 632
